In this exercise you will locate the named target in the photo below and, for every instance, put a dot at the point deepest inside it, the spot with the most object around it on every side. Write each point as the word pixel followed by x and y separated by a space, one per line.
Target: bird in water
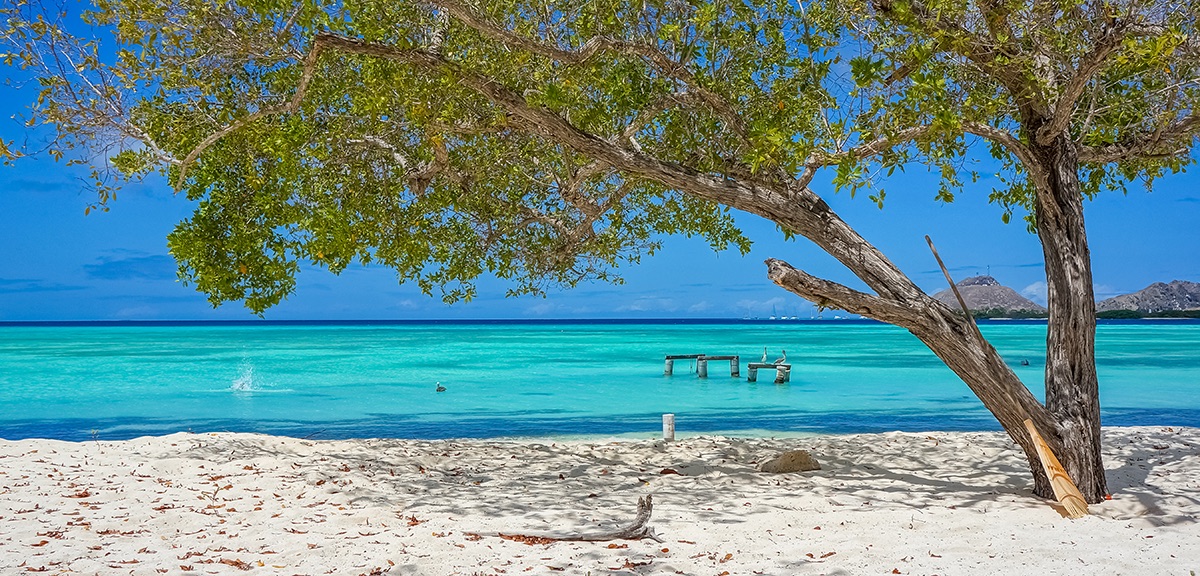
pixel 764 358
pixel 780 360
pixel 1024 362
pixel 440 388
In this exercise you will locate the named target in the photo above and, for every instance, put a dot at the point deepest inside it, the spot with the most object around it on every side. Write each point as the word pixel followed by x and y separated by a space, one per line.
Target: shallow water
pixel 538 379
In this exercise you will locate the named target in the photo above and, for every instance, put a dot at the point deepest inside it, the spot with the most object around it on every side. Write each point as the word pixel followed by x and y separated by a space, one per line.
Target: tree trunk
pixel 955 341
pixel 1072 389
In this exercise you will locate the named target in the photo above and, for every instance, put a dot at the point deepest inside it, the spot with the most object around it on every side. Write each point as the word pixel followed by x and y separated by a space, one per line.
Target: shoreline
pixel 914 503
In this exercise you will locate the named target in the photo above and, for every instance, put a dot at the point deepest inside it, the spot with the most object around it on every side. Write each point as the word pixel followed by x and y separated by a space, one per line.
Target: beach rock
pixel 790 461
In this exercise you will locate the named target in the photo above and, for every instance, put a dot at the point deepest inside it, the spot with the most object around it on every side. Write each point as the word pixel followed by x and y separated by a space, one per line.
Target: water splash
pixel 245 380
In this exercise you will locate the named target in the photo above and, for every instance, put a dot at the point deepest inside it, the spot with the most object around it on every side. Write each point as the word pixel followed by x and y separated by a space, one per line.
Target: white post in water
pixel 702 367
pixel 669 427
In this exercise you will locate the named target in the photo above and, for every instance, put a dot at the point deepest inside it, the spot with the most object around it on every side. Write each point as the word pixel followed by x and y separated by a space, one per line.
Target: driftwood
pixel 636 530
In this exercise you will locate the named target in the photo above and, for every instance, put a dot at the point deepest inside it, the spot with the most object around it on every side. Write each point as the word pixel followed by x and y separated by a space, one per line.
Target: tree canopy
pixel 553 143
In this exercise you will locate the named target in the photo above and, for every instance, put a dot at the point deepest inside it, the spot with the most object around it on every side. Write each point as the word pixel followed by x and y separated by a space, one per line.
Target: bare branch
pixel 381 143
pixel 827 294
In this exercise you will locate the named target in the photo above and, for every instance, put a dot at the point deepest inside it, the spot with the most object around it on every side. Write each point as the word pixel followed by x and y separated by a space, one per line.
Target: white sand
pixel 936 503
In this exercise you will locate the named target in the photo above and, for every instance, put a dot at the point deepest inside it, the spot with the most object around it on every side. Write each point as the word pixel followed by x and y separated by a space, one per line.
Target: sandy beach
pixel 896 503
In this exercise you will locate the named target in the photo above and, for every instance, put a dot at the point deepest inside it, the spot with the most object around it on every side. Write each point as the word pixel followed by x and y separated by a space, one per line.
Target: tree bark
pixel 1072 388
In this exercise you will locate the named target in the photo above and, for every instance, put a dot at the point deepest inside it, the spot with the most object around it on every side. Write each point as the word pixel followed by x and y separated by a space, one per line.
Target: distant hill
pixel 1156 299
pixel 987 297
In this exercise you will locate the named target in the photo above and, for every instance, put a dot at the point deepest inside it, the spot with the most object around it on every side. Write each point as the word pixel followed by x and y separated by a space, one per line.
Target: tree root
pixel 636 530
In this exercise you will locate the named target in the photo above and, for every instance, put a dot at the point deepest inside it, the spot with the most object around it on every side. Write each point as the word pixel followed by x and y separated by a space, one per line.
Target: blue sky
pixel 58 264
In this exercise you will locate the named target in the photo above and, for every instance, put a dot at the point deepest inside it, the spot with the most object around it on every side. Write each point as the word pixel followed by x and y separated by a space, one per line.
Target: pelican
pixel 780 360
pixel 764 358
pixel 440 388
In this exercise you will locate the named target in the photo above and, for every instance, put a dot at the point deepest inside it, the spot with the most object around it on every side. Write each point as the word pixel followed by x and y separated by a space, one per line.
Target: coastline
pixel 909 503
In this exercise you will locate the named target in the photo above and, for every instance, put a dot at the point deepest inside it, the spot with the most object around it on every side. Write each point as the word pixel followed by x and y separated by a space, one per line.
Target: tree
pixel 548 143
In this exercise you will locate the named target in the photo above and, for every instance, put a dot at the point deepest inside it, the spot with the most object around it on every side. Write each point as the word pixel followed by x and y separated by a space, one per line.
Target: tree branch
pixel 1005 138
pixel 597 45
pixel 1089 66
pixel 979 51
pixel 1164 142
pixel 795 207
pixel 827 294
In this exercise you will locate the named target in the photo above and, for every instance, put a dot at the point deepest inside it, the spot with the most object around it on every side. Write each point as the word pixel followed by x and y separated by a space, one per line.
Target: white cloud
pixel 759 307
pixel 1035 292
pixel 702 306
pixel 1104 292
pixel 649 305
pixel 551 308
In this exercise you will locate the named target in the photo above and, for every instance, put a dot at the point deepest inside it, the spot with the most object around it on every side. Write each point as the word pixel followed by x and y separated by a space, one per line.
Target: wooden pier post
pixel 702 367
pixel 783 372
pixel 735 366
pixel 669 427
pixel 670 367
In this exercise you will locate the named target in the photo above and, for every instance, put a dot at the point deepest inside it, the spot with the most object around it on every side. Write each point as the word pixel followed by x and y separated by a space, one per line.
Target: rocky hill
pixel 1157 297
pixel 985 296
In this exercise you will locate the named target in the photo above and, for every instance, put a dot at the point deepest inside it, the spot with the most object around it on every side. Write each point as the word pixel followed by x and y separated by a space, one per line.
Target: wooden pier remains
pixel 702 360
pixel 671 358
pixel 783 372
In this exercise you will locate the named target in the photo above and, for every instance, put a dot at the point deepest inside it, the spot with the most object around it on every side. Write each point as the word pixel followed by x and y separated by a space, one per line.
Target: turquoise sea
pixel 505 379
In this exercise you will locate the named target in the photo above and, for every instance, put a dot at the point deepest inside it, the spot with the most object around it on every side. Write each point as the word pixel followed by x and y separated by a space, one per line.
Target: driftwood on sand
pixel 636 530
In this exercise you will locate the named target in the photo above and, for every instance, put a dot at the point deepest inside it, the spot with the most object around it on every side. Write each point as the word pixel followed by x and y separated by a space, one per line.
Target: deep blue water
pixel 540 378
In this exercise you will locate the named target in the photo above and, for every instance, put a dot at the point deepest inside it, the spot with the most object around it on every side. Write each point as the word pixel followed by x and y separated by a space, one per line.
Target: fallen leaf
pixel 240 565
pixel 530 540
pixel 668 471
pixel 828 554
pixel 629 564
pixel 42 543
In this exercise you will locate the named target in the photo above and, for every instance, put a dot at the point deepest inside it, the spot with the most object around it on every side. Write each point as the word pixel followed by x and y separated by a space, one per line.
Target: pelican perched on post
pixel 781 359
pixel 764 358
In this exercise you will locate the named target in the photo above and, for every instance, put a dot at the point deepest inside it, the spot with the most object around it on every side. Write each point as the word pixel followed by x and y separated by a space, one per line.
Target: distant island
pixel 988 298
pixel 1178 299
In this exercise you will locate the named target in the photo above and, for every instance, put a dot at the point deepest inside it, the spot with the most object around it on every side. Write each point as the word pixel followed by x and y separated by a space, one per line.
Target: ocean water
pixel 520 379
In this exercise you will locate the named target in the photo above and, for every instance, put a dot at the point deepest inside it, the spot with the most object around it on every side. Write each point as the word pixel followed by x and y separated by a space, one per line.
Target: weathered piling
pixel 669 427
pixel 783 372
pixel 735 363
